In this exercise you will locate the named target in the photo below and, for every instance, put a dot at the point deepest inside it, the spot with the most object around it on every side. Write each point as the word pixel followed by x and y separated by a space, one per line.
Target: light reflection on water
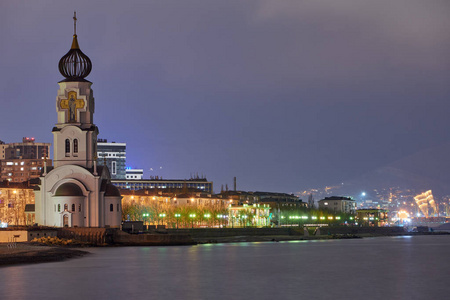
pixel 370 268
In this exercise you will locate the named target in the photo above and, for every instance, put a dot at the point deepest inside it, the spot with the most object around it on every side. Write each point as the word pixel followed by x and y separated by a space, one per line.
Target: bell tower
pixel 75 134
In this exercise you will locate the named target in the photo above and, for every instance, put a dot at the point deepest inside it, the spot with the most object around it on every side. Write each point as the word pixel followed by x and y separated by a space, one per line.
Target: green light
pixel 177 215
pixel 338 218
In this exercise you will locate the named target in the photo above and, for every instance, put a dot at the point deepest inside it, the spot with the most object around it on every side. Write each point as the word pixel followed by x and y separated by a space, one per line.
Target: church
pixel 75 192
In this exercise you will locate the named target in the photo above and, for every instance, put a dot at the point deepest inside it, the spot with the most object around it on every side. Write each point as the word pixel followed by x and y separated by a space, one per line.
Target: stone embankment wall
pixel 363 230
pixel 224 232
pixel 96 236
pixel 149 239
pixel 24 234
pixel 227 232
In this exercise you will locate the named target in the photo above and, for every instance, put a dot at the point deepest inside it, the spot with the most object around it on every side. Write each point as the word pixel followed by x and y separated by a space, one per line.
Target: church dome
pixel 69 189
pixel 111 190
pixel 75 65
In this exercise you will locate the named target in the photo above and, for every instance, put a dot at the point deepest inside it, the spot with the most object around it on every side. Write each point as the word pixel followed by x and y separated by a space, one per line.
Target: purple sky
pixel 285 95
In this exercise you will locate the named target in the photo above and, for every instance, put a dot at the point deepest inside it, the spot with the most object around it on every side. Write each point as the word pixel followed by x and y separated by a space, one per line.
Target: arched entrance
pixel 65 221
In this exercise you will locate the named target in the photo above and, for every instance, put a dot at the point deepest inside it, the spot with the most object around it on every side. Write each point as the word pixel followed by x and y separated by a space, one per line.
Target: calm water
pixel 372 268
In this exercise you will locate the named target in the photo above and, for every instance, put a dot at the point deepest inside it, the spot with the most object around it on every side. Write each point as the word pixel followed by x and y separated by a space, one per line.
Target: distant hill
pixel 424 170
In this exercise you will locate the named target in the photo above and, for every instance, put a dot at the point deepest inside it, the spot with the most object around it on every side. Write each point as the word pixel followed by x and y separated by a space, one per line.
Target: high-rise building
pixel 114 155
pixel 20 162
pixel 134 173
pixel 76 192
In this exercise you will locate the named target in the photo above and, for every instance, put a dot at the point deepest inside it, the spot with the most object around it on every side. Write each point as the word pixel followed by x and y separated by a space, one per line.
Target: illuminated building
pixel 14 197
pixel 425 199
pixel 134 173
pixel 114 154
pixel 338 204
pixel 23 161
pixel 158 183
pixel 372 217
pixel 76 192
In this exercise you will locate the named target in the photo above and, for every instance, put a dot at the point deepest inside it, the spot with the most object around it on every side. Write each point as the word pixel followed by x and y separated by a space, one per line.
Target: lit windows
pixel 113 168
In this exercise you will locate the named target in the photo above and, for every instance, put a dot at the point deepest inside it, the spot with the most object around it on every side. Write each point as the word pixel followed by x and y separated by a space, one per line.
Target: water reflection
pixel 390 268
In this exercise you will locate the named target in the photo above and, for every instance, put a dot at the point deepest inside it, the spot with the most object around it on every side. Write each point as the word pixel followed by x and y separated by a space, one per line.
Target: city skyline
pixel 283 96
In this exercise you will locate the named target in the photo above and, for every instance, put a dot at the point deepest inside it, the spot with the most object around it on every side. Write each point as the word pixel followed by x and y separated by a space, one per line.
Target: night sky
pixel 284 95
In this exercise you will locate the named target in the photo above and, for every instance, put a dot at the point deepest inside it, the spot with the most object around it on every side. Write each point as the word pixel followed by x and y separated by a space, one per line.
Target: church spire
pixel 75 40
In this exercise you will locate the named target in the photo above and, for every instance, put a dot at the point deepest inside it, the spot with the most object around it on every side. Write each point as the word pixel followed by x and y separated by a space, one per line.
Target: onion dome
pixel 75 65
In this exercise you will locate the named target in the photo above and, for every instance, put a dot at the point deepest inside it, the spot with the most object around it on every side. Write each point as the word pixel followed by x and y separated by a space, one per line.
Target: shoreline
pixel 26 253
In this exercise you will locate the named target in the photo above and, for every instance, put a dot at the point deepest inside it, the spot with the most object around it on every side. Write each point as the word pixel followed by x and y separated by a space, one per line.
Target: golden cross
pixel 72 104
pixel 75 23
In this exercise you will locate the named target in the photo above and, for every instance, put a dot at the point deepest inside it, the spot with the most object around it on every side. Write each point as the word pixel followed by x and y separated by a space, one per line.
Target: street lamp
pixel 219 217
pixel 177 216
pixel 145 215
pixel 162 216
pixel 192 216
pixel 206 216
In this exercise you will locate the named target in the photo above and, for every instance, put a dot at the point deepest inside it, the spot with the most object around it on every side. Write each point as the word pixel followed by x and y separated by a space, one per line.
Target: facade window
pixel 59 207
pixel 75 146
pixel 73 207
pixel 67 147
pixel 66 207
pixel 113 167
pixel 79 207
pixel 111 207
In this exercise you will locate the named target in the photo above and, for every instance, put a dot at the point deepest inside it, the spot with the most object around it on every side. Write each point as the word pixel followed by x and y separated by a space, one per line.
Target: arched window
pixel 79 207
pixel 67 147
pixel 73 207
pixel 59 207
pixel 118 206
pixel 111 207
pixel 75 146
pixel 66 207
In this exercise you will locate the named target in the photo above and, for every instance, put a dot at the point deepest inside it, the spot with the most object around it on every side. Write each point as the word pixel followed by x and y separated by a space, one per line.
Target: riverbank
pixel 26 253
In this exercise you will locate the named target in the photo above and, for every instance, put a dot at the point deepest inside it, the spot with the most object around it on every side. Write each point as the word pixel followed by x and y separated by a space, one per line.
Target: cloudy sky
pixel 284 95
